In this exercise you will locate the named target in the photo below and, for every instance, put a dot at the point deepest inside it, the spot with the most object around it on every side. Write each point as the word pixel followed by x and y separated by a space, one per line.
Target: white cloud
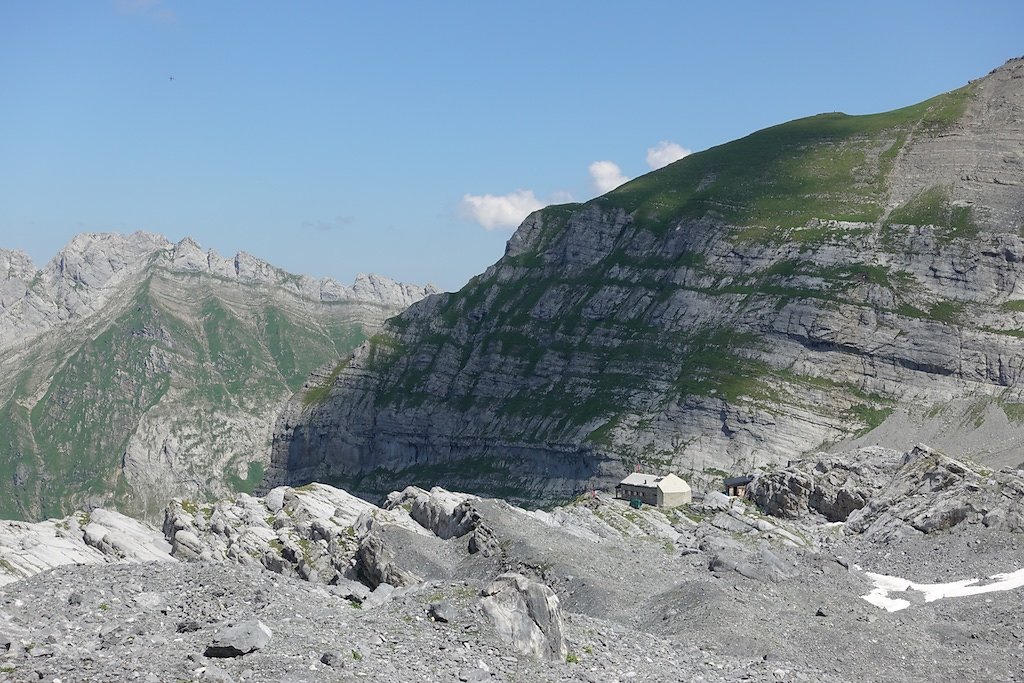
pixel 664 153
pixel 501 211
pixel 606 176
pixel 508 210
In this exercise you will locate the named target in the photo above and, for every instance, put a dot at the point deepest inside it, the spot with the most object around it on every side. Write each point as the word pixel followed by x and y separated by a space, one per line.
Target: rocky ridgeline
pixel 94 269
pixel 445 586
pixel 135 369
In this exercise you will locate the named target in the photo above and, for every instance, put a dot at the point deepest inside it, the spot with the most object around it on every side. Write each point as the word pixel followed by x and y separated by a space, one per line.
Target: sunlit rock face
pixel 831 278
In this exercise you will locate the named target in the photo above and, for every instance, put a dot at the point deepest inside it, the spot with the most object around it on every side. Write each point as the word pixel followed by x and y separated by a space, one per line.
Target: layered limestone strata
pixel 742 306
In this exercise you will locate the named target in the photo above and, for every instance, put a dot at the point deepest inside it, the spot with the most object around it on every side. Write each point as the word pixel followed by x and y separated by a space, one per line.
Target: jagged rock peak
pixel 188 256
pixel 94 260
pixel 91 258
pixel 378 288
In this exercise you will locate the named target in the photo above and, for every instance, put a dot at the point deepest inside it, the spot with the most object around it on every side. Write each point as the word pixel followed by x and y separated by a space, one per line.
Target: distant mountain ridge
pixel 825 279
pixel 80 279
pixel 134 368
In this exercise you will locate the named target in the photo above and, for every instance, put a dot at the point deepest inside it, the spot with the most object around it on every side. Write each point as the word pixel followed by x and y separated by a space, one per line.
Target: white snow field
pixel 886 585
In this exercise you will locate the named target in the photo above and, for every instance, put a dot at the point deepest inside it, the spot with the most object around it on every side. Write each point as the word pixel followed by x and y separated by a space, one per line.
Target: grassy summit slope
pixel 832 166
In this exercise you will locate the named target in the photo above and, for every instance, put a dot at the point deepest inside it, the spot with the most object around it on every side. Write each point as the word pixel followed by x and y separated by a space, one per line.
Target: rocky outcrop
pixel 933 493
pixel 157 368
pixel 883 494
pixel 446 514
pixel 313 533
pixel 830 485
pixel 98 537
pixel 748 304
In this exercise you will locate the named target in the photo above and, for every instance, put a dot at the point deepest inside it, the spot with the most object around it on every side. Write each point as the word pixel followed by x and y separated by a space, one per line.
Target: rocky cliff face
pixel 742 306
pixel 135 369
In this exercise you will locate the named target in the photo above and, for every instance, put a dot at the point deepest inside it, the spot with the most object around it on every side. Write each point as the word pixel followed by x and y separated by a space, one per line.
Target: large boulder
pixel 375 562
pixel 762 565
pixel 527 614
pixel 240 639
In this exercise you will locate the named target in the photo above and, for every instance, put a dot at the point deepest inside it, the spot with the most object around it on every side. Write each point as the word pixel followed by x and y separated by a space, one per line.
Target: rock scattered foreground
pixel 443 586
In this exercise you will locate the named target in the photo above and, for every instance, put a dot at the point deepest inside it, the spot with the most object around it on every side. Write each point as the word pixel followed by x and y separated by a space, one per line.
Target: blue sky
pixel 333 138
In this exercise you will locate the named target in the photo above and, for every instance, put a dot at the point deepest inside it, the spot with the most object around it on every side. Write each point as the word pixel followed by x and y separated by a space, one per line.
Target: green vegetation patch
pixel 933 207
pixel 870 416
pixel 602 436
pixel 946 311
pixel 713 366
pixel 384 349
pixel 1014 411
pixel 296 349
pixel 1008 333
pixel 317 395
pixel 830 165
pixel 234 350
pixel 251 481
pixel 949 312
pixel 909 311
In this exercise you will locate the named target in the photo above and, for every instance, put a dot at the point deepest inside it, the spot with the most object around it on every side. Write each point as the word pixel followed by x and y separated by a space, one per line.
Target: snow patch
pixel 884 585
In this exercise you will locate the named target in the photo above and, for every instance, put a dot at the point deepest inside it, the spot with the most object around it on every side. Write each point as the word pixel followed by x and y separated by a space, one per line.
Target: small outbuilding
pixel 653 489
pixel 737 486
